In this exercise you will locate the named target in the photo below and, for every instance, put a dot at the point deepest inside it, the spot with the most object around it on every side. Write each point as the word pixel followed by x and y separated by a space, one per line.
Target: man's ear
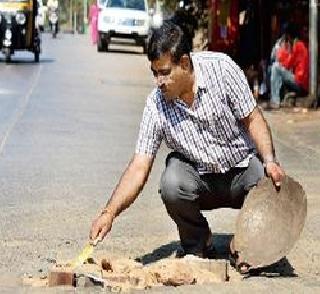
pixel 185 62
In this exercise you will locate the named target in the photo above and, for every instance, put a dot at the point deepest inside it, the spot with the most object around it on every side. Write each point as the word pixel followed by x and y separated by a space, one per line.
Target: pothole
pixel 123 275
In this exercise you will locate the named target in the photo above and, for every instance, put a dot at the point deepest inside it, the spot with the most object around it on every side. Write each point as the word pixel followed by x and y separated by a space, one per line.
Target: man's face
pixel 169 76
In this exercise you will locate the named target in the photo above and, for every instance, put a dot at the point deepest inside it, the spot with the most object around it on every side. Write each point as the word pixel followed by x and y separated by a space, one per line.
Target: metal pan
pixel 270 222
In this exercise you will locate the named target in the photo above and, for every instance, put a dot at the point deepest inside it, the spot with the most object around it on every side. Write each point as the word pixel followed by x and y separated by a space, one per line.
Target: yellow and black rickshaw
pixel 18 29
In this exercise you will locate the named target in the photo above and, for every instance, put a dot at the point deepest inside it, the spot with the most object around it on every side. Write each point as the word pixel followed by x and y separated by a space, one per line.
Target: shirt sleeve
pixel 285 58
pixel 150 134
pixel 238 92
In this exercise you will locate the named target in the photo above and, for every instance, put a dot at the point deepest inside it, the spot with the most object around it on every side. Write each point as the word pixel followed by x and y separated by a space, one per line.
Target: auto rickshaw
pixel 18 29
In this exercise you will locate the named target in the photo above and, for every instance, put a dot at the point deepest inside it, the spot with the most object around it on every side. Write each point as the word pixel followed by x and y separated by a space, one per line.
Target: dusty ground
pixel 68 135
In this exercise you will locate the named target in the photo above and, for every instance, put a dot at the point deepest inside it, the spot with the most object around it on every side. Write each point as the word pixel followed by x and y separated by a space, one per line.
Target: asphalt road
pixel 68 127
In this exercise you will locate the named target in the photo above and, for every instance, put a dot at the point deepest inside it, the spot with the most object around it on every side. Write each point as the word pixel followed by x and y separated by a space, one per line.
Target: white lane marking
pixel 21 110
pixel 7 92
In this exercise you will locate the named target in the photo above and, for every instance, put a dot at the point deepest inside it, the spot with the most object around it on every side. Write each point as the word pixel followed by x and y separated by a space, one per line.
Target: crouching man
pixel 204 110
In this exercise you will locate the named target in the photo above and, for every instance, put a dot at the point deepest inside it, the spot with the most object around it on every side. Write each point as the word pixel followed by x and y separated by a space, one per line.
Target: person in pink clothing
pixel 93 21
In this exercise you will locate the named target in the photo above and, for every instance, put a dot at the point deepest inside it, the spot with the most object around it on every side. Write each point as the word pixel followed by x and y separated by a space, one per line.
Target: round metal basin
pixel 270 222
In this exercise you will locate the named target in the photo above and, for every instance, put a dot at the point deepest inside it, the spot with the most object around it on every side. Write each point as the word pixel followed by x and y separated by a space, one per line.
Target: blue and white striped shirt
pixel 210 134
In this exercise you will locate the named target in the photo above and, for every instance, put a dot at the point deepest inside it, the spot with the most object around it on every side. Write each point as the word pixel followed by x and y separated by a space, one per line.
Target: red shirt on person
pixel 298 61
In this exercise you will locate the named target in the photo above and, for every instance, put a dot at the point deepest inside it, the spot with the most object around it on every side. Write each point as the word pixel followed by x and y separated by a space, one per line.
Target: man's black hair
pixel 292 30
pixel 169 38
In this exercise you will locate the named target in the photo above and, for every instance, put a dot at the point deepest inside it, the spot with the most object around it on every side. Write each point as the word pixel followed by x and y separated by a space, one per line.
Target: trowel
pixel 84 255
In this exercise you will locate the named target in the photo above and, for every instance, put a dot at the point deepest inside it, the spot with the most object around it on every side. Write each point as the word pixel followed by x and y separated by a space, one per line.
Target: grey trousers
pixel 185 193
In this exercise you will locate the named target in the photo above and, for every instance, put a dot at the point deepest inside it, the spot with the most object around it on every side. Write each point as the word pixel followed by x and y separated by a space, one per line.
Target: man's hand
pixel 260 133
pixel 101 226
pixel 275 172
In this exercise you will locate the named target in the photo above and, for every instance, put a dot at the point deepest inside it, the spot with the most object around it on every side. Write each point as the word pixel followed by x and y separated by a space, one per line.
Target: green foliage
pixel 66 6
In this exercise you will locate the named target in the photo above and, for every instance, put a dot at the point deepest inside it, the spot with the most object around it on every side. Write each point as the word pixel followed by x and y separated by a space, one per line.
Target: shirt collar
pixel 200 83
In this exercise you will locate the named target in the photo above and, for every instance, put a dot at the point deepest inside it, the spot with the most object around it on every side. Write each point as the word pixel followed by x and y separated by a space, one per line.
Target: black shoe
pixel 209 252
pixel 180 253
pixel 243 268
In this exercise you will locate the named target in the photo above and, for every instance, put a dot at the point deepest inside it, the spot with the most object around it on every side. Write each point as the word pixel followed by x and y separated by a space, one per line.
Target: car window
pixel 130 4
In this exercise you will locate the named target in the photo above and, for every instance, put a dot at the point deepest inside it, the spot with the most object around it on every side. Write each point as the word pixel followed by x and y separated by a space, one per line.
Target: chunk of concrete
pixel 34 282
pixel 89 280
pixel 120 265
pixel 213 270
pixel 173 273
pixel 115 278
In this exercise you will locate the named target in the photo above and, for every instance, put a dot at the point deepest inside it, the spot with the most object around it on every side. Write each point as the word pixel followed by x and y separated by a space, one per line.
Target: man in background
pixel 291 68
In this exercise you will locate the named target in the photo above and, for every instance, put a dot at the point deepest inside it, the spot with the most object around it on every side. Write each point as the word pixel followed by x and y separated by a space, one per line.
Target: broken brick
pixel 116 277
pixel 106 265
pixel 61 278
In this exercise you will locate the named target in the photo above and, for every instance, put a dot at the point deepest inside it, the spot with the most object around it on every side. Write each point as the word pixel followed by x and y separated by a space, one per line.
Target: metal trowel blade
pixel 83 256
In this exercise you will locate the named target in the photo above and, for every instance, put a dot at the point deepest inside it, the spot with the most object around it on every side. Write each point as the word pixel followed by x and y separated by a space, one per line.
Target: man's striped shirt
pixel 209 133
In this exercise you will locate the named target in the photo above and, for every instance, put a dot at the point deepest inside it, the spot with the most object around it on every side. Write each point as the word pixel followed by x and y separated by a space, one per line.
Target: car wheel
pixel 100 44
pixel 106 45
pixel 145 47
pixel 144 43
pixel 36 56
pixel 7 54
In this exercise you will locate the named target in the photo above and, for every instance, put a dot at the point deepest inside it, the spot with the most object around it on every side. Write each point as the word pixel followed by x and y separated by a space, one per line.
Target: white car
pixel 128 19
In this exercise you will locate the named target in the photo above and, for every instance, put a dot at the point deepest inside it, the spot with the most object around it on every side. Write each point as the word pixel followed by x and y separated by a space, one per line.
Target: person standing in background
pixel 93 21
pixel 53 14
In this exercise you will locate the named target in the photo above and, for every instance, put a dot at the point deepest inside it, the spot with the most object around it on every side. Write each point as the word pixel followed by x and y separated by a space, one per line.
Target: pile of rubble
pixel 121 275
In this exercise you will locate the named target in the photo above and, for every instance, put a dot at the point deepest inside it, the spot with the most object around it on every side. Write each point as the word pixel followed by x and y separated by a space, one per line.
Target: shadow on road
pixel 122 51
pixel 221 244
pixel 122 47
pixel 162 252
pixel 20 61
pixel 282 268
